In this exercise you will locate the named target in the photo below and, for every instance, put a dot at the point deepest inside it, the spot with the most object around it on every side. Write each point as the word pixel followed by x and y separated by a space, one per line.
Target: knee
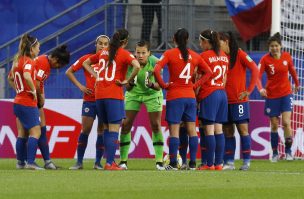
pixel 126 127
pixel 286 123
pixel 155 126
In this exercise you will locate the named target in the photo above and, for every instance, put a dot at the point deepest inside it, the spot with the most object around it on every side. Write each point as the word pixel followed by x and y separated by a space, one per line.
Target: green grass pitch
pixel 263 180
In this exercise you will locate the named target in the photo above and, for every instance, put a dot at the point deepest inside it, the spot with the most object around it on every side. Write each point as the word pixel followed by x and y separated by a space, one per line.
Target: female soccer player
pixel 278 92
pixel 89 110
pixel 238 102
pixel 22 77
pixel 44 63
pixel 143 91
pixel 110 77
pixel 181 103
pixel 213 100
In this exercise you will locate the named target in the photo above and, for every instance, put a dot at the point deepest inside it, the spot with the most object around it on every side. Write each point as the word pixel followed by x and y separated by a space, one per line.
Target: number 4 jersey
pixel 106 88
pixel 219 66
pixel 24 97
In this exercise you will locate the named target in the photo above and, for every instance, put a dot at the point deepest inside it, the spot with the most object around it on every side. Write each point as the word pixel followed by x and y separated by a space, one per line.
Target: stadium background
pixel 77 24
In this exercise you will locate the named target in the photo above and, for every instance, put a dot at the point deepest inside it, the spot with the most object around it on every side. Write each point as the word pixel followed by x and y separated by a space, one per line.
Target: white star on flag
pixel 238 3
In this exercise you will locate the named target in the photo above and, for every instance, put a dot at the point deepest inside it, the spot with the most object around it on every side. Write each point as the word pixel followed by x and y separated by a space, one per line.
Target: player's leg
pixel 99 146
pixel 21 149
pixel 183 146
pixel 274 138
pixel 154 107
pixel 114 113
pixel 87 120
pixel 242 127
pixel 125 137
pixel 286 123
pixel 230 145
pixel 203 144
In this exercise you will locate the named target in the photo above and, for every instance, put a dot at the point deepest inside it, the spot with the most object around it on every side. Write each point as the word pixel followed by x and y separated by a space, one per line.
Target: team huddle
pixel 209 87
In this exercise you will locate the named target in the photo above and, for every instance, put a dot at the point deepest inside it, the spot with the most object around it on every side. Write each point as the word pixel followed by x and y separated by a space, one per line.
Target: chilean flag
pixel 251 17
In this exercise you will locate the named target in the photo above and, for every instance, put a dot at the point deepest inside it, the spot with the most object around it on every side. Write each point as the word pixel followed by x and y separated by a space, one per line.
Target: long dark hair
pixel 276 37
pixel 213 38
pixel 62 54
pixel 181 37
pixel 233 46
pixel 118 39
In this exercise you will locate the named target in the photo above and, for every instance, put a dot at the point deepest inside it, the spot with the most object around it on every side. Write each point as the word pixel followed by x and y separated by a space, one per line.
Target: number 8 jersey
pixel 106 88
pixel 219 65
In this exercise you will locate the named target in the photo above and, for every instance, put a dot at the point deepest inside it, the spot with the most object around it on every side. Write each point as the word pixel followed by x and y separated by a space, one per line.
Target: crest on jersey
pixel 268 110
pixel 86 110
pixel 249 58
pixel 285 63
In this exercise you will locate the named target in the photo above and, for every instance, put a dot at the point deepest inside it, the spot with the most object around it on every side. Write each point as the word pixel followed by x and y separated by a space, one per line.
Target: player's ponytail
pixel 233 46
pixel 62 54
pixel 213 38
pixel 276 37
pixel 119 38
pixel 181 38
pixel 24 48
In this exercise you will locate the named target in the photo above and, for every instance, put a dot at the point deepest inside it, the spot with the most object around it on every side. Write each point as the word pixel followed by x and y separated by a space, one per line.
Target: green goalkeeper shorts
pixel 152 103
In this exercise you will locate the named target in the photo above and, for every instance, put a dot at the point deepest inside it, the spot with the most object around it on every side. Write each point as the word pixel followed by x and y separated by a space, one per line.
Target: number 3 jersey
pixel 278 84
pixel 24 97
pixel 181 72
pixel 219 66
pixel 106 88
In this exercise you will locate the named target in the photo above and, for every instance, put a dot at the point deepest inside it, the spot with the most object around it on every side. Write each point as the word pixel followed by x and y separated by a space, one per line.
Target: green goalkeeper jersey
pixel 140 87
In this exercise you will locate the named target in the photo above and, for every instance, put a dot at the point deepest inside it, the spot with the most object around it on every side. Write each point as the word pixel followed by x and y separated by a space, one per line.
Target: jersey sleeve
pixel 94 58
pixel 204 69
pixel 158 67
pixel 129 57
pixel 261 68
pixel 293 72
pixel 249 63
pixel 78 64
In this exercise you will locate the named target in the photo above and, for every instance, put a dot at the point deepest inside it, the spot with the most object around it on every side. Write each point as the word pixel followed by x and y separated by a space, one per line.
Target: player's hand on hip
pixel 263 92
pixel 243 95
pixel 296 89
pixel 34 94
pixel 121 83
pixel 86 90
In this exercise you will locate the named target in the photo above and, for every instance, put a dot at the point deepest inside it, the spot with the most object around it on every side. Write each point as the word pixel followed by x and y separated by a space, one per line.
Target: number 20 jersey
pixel 106 87
pixel 219 65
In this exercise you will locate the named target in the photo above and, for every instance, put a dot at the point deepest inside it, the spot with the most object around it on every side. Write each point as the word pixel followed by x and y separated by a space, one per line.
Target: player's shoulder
pixel 285 54
pixel 152 60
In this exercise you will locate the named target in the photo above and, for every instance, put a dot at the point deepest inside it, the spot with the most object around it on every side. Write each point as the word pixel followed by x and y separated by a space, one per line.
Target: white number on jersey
pixel 185 74
pixel 103 65
pixel 18 83
pixel 271 66
pixel 221 72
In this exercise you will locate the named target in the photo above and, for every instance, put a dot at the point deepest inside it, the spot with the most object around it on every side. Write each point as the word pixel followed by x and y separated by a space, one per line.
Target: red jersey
pixel 278 84
pixel 219 66
pixel 236 78
pixel 43 69
pixel 180 73
pixel 23 97
pixel 90 80
pixel 106 87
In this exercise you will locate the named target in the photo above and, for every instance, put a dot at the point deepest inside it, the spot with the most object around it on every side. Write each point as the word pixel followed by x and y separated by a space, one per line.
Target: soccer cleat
pixel 50 165
pixel 192 165
pixel 275 158
pixel 289 157
pixel 20 165
pixel 33 166
pixel 169 167
pixel 77 166
pixel 206 167
pixel 97 166
pixel 113 167
pixel 123 165
pixel 245 167
pixel 229 166
pixel 218 167
pixel 160 166
pixel 184 167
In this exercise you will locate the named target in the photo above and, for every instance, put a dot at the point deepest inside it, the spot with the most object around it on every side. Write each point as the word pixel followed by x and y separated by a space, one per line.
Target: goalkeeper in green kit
pixel 144 90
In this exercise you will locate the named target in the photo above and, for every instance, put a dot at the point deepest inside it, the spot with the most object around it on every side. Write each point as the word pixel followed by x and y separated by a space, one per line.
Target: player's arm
pixel 157 71
pixel 70 73
pixel 90 61
pixel 249 63
pixel 204 68
pixel 294 75
pixel 10 79
pixel 29 81
pixel 262 91
pixel 40 95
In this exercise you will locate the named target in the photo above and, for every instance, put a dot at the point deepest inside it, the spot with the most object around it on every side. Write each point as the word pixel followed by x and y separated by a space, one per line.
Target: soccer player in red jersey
pixel 213 100
pixel 43 64
pixel 278 93
pixel 238 102
pixel 181 103
pixel 89 110
pixel 22 78
pixel 110 79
